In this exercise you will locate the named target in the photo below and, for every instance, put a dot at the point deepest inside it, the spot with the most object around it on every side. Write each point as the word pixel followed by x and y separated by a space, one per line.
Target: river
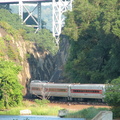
pixel 35 117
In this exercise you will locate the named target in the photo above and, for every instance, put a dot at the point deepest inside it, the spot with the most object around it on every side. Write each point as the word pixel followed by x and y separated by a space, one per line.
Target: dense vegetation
pixel 94 29
pixel 88 113
pixel 12 24
pixel 10 88
pixel 113 97
pixel 39 107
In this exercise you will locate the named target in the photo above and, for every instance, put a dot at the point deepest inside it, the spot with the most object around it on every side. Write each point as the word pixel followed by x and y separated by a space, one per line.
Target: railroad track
pixel 71 102
pixel 79 103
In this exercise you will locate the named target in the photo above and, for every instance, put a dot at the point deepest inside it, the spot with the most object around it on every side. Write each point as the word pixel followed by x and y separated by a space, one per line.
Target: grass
pixel 88 113
pixel 46 110
pixel 42 108
pixel 35 108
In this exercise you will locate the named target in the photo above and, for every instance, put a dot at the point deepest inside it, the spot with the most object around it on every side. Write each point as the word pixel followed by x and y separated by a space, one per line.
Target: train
pixel 68 91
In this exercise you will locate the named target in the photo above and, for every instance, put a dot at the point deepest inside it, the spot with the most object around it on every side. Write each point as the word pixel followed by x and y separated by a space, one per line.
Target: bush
pixel 88 113
pixel 42 102
pixel 7 38
pixel 10 88
pixel 112 96
pixel 2 47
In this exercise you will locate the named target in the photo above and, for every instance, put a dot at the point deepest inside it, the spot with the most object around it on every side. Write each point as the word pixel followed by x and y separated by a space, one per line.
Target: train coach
pixel 68 91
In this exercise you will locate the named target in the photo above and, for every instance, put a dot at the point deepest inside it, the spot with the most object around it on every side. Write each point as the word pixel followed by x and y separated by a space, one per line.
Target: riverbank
pixel 76 107
pixel 46 109
pixel 35 108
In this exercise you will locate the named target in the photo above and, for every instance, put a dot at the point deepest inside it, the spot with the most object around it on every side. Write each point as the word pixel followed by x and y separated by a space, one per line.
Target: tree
pixel 10 88
pixel 93 28
pixel 5 6
pixel 112 96
pixel 13 20
pixel 45 40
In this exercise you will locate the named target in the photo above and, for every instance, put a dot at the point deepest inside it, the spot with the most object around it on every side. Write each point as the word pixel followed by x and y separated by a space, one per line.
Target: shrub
pixel 7 38
pixel 2 47
pixel 9 29
pixel 42 102
pixel 88 113
pixel 10 88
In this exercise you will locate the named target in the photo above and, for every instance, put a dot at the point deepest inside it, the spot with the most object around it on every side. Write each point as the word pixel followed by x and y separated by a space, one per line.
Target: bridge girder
pixel 58 6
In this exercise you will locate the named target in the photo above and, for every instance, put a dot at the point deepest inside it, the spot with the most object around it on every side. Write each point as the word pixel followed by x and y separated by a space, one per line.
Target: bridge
pixel 59 7
pixel 27 1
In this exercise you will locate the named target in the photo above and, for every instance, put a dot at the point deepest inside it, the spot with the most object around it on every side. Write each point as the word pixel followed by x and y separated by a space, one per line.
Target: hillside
pixel 36 63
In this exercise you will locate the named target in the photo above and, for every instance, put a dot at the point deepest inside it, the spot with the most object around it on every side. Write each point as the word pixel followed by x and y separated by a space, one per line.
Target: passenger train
pixel 68 91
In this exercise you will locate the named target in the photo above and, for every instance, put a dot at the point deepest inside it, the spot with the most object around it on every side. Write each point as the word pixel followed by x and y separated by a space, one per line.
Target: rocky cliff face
pixel 60 60
pixel 36 63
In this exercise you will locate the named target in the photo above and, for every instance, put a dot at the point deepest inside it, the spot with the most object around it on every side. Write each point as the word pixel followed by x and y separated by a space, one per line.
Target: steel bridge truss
pixel 23 6
pixel 59 7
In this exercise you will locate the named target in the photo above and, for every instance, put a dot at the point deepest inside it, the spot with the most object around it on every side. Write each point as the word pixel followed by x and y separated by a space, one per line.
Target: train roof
pixel 39 81
pixel 100 85
pixel 74 84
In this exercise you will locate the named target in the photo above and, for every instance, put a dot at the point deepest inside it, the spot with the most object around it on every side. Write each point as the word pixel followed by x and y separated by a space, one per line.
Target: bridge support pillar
pixel 21 9
pixel 59 7
pixel 39 16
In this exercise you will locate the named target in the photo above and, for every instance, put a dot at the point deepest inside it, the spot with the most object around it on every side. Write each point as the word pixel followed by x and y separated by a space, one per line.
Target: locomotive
pixel 67 90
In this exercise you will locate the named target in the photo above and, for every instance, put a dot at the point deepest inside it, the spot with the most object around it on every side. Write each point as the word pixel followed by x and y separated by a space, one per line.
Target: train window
pixel 86 91
pixel 56 90
pixel 35 88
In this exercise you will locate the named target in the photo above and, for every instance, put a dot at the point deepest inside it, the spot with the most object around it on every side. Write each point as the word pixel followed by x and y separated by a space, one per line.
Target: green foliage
pixel 10 30
pixel 2 47
pixel 13 19
pixel 11 53
pixel 13 22
pixel 7 38
pixel 94 46
pixel 42 102
pixel 10 88
pixel 13 26
pixel 88 113
pixel 23 33
pixel 116 28
pixel 27 55
pixel 112 96
pixel 71 29
pixel 8 49
pixel 45 40
pixel 36 110
pixel 5 6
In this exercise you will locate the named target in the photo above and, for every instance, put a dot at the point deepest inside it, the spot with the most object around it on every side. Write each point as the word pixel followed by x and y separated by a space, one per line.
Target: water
pixel 35 117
